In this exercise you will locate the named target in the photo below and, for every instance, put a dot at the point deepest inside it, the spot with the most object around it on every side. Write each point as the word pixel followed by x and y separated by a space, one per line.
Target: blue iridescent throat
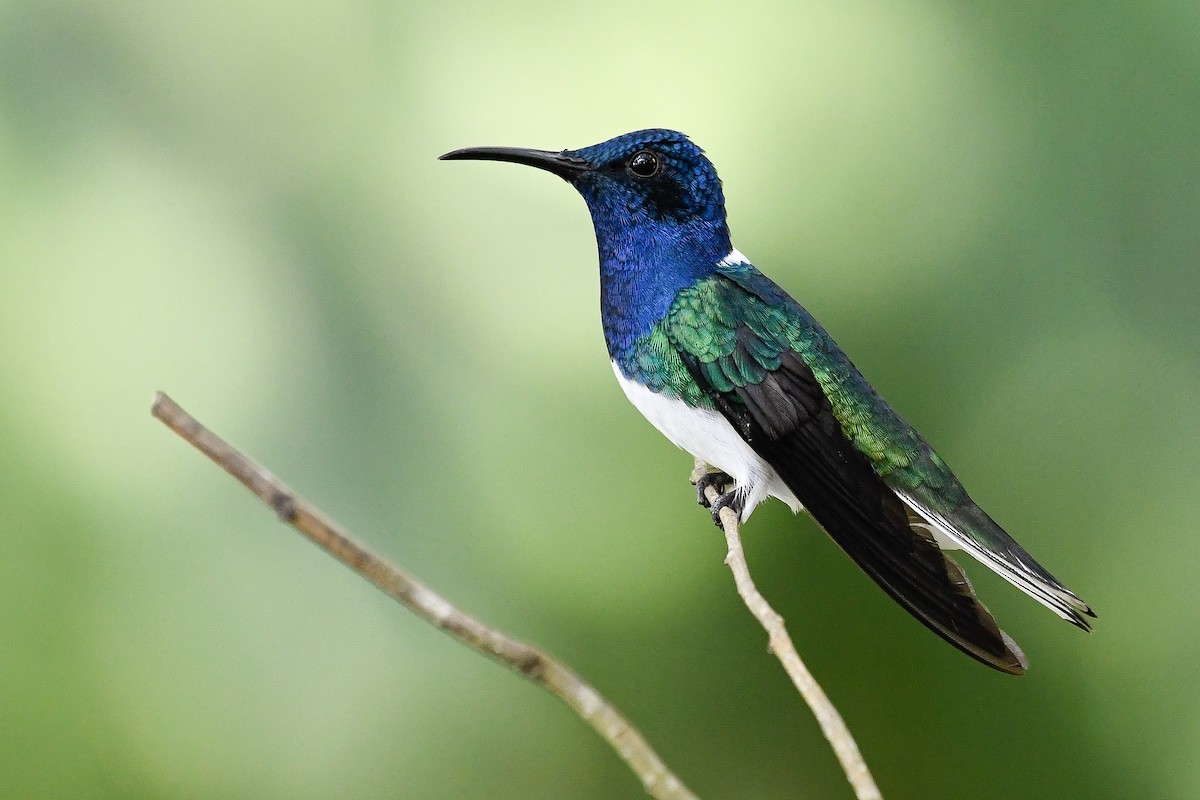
pixel 643 267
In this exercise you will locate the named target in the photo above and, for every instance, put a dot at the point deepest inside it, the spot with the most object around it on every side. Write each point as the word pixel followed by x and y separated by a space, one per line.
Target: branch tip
pixel 160 400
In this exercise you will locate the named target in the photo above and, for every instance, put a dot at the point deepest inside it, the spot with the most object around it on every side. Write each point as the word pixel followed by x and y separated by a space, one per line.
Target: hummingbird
pixel 726 365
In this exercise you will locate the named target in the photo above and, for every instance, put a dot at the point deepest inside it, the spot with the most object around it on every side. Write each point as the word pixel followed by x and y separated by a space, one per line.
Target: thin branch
pixel 531 662
pixel 780 643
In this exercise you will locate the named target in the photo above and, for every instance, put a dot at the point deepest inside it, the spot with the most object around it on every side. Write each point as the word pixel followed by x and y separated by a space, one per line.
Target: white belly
pixel 708 436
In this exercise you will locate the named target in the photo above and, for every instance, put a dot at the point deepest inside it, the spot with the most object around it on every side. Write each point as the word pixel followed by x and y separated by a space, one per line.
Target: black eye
pixel 644 164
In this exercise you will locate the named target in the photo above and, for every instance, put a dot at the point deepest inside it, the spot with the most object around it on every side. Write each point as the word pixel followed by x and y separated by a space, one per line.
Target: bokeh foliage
pixel 993 206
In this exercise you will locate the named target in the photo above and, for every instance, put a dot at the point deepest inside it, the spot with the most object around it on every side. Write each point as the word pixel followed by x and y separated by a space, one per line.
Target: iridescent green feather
pixel 659 367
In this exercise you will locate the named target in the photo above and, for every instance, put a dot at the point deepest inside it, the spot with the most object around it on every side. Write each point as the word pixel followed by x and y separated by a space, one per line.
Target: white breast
pixel 708 436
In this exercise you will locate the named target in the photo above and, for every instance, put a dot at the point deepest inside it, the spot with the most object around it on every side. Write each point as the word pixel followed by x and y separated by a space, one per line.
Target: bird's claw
pixel 730 499
pixel 717 480
pixel 728 495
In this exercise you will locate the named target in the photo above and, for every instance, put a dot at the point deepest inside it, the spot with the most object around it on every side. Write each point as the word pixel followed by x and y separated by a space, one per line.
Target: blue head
pixel 653 185
pixel 659 214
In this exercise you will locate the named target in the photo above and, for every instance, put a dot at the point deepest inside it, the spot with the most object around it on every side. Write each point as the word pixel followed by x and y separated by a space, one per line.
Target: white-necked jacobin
pixel 733 370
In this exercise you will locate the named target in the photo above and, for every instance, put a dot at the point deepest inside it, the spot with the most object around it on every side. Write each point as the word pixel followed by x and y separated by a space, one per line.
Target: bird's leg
pixel 730 499
pixel 718 480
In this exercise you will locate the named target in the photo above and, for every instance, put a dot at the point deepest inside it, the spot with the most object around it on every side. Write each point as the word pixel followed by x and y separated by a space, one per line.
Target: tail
pixel 968 526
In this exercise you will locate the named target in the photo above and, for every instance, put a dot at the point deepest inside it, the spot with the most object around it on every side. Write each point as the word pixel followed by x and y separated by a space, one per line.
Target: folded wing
pixel 767 391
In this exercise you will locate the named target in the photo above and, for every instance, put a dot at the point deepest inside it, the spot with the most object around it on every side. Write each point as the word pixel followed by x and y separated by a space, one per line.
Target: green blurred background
pixel 994 207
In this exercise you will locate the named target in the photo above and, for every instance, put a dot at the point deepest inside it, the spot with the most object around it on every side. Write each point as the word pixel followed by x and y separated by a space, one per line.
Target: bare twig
pixel 780 643
pixel 531 662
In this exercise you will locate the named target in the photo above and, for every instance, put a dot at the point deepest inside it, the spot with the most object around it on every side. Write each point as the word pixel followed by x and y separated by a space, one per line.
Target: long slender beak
pixel 561 164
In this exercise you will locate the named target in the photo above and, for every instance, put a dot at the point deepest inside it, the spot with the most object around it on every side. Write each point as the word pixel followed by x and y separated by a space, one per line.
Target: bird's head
pixel 642 188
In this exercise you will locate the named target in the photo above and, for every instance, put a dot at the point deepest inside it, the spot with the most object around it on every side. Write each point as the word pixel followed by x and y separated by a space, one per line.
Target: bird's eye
pixel 644 164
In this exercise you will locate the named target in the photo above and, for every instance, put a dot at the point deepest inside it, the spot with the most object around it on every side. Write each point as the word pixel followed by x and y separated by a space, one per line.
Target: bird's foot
pixel 717 480
pixel 730 499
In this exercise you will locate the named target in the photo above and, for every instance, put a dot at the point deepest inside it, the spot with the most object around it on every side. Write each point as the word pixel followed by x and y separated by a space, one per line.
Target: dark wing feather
pixel 787 419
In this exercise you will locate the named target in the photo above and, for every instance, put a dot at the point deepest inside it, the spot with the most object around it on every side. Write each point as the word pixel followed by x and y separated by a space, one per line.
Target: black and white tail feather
pixel 1001 553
